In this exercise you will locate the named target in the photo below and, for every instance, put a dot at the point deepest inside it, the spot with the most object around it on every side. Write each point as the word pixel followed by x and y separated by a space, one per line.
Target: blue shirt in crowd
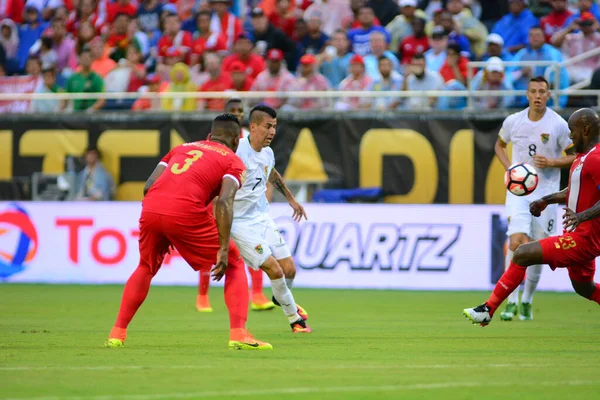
pixel 515 29
pixel 28 35
pixel 359 39
pixel 336 69
pixel 313 46
pixel 372 64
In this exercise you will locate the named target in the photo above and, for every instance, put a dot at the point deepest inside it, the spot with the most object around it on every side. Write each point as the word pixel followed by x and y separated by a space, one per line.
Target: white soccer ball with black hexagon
pixel 521 179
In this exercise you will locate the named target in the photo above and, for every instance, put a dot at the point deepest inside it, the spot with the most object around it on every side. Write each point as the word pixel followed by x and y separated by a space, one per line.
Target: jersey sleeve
pixel 595 169
pixel 505 131
pixel 564 141
pixel 236 171
pixel 165 160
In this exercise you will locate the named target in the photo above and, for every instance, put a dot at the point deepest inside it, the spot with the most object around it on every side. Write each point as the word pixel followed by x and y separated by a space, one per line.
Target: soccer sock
pixel 204 282
pixel 531 281
pixel 285 298
pixel 257 280
pixel 514 296
pixel 236 292
pixel 596 295
pixel 289 282
pixel 511 278
pixel 134 294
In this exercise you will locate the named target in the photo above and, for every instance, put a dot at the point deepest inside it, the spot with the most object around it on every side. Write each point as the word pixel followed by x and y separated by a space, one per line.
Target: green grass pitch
pixel 364 345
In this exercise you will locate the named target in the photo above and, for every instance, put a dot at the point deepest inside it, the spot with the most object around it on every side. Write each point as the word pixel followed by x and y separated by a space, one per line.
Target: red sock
pixel 509 281
pixel 596 295
pixel 257 280
pixel 136 290
pixel 236 291
pixel 204 282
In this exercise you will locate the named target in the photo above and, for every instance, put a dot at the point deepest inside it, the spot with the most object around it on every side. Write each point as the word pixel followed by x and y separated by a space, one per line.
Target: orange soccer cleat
pixel 241 339
pixel 203 304
pixel 116 338
pixel 300 327
pixel 260 302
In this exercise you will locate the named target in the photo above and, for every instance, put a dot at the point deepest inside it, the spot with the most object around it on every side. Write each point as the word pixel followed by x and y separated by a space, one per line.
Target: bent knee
pixel 522 256
pixel 516 240
pixel 272 268
pixel 584 289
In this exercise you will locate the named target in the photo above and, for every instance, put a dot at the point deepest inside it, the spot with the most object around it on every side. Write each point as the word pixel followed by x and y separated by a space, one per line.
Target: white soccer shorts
pixel 257 241
pixel 520 219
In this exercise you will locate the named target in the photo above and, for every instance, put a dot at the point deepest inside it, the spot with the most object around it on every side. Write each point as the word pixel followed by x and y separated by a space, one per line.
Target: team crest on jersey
pixel 266 170
pixel 545 137
pixel 243 176
pixel 259 249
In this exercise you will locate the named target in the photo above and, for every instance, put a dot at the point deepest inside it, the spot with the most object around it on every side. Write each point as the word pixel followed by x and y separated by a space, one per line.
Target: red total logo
pixel 74 227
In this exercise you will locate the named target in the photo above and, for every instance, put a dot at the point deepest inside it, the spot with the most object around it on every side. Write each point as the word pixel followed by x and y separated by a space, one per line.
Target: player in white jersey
pixel 258 300
pixel 253 230
pixel 539 136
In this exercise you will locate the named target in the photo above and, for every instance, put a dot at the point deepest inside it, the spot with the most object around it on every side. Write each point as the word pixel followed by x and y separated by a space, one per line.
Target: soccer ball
pixel 521 179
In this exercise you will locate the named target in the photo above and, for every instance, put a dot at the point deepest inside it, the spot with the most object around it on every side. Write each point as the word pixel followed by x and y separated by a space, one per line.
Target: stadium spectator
pixel 495 48
pixel 13 10
pixel 120 7
pixel 49 86
pixel 449 24
pixel 218 81
pixel 149 13
pixel 378 48
pixel 29 32
pixel 239 77
pixel 360 37
pixel 188 8
pixel 154 84
pixel 352 21
pixel 492 78
pixel 418 78
pixel 333 13
pixel 310 80
pixel 64 46
pixel 335 60
pixel 85 12
pixel 253 63
pixel 137 37
pixel 385 10
pixel 401 26
pixel 118 40
pixel 163 68
pixel 418 42
pixel 173 36
pixel 9 40
pixel 204 39
pixel 102 64
pixel 94 183
pixel 492 11
pixel 357 81
pixel 46 7
pixel 85 81
pixel 436 55
pixel 283 18
pixel 455 67
pixel 315 40
pixel 268 37
pixel 584 6
pixel 225 22
pixel 555 21
pixel 33 68
pixel 389 80
pixel 470 26
pixel 514 26
pixel 180 81
pixel 276 78
pixel 579 37
pixel 136 70
pixel 85 34
pixel 46 53
pixel 538 50
pixel 431 8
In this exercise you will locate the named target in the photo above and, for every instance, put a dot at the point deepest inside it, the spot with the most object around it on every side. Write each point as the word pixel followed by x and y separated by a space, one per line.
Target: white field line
pixel 306 390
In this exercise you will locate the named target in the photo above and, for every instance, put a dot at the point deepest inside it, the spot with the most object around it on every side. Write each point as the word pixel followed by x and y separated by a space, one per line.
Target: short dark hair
pixel 539 79
pixel 122 14
pixel 226 117
pixel 93 148
pixel 454 46
pixel 418 56
pixel 382 58
pixel 536 27
pixel 262 108
pixel 204 12
pixel 234 100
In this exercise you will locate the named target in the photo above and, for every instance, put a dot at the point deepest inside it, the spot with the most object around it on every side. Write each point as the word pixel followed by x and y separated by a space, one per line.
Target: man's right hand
pixel 221 265
pixel 537 207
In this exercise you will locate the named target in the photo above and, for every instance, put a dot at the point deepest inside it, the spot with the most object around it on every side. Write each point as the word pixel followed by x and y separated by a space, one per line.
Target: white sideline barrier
pixel 428 247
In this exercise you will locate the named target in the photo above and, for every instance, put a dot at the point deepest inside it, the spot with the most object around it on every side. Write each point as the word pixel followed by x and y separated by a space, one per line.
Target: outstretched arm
pixel 540 205
pixel 277 182
pixel 561 162
pixel 160 168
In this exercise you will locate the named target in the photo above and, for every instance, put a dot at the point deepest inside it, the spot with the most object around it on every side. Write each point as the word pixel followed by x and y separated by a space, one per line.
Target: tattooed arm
pixel 277 181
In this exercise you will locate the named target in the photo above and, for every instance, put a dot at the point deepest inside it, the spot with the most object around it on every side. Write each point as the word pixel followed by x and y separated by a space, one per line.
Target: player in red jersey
pixel 176 212
pixel 579 245
pixel 259 301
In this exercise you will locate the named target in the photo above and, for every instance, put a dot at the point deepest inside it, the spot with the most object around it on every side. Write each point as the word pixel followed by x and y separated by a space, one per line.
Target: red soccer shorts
pixel 571 250
pixel 196 238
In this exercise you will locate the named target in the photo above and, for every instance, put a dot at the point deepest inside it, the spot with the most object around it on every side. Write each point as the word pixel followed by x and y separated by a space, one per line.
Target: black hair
pixel 46 41
pixel 454 46
pixel 540 79
pixel 204 12
pixel 383 57
pixel 226 117
pixel 122 14
pixel 94 149
pixel 262 108
pixel 418 56
pixel 230 101
pixel 536 27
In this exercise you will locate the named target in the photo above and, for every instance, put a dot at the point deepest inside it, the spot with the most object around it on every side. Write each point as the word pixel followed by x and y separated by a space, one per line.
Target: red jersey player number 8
pixel 195 156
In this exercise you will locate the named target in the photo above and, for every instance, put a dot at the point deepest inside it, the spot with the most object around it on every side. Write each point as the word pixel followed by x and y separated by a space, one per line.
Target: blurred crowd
pixel 87 46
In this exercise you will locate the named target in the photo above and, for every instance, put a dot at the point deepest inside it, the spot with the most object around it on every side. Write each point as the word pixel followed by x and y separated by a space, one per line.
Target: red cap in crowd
pixel 153 78
pixel 586 16
pixel 173 52
pixel 275 55
pixel 308 59
pixel 357 59
pixel 237 66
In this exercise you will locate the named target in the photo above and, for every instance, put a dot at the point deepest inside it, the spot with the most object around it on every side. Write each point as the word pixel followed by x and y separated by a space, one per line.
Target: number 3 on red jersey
pixel 187 163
